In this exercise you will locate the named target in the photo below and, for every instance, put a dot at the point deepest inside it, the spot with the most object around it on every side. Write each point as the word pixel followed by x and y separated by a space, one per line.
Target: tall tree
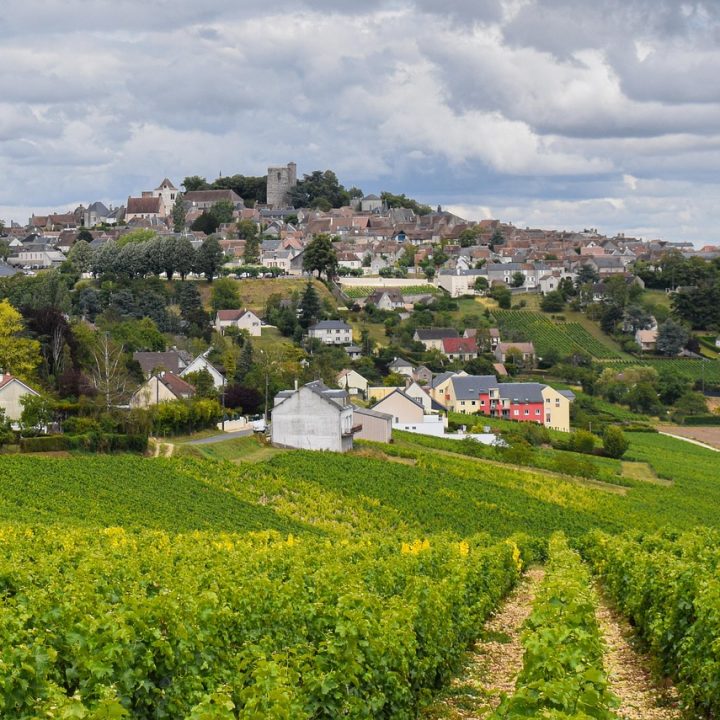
pixel 309 306
pixel 178 214
pixel 320 190
pixel 18 355
pixel 194 182
pixel 222 211
pixel 671 338
pixel 225 295
pixel 209 258
pixel 109 374
pixel 4 249
pixel 80 256
pixel 184 256
pixel 320 256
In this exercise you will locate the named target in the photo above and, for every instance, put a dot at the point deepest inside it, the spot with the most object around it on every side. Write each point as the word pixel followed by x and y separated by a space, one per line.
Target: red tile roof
pixel 143 205
pixel 459 345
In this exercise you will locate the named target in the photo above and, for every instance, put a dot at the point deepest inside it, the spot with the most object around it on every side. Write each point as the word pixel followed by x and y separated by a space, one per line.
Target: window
pixel 482 403
pixel 527 412
pixel 516 412
pixel 547 400
pixel 537 412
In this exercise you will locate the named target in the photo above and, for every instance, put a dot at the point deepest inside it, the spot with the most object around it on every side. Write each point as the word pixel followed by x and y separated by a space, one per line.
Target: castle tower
pixel 280 180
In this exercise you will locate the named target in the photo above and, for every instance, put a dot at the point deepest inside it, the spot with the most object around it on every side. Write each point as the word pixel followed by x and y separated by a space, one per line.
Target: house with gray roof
pixel 331 332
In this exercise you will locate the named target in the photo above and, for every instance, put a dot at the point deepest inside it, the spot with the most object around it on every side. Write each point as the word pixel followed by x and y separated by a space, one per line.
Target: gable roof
pixel 176 385
pixel 436 333
pixel 523 347
pixel 468 387
pixel 523 392
pixel 400 362
pixel 233 314
pixel 459 344
pixel 7 379
pixel 330 325
pixel 143 205
pixel 172 361
pixel 397 391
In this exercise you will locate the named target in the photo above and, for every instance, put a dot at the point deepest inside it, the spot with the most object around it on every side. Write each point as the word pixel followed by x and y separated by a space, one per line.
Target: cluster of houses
pixel 315 417
pixel 370 236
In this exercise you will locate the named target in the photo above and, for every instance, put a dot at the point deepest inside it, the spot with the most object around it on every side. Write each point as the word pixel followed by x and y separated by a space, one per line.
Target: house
pixel 432 337
pixel 353 351
pixel 12 390
pixel 375 426
pixel 486 338
pixel 371 203
pixel 145 208
pixel 161 387
pixel 173 361
pixel 37 258
pixel 459 282
pixel 331 332
pixel 353 382
pixel 461 393
pixel 423 375
pixel 462 349
pixel 526 349
pixel 241 319
pixel 409 414
pixel 281 259
pixel 647 339
pixel 401 367
pixel 201 363
pixel 386 300
pixel 205 199
pixel 313 417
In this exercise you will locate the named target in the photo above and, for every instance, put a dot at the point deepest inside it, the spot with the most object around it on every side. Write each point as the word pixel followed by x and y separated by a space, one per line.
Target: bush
pixel 91 442
pixel 581 441
pixel 615 443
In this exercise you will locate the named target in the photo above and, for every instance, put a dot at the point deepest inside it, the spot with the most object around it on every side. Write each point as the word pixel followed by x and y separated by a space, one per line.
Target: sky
pixel 567 114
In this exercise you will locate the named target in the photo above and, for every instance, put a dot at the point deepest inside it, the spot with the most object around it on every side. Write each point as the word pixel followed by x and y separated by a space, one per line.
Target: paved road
pixel 221 438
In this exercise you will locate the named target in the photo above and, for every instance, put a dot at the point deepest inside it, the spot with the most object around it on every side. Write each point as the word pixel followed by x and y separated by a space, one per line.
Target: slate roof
pixel 330 325
pixel 436 333
pixel 172 361
pixel 522 392
pixel 468 387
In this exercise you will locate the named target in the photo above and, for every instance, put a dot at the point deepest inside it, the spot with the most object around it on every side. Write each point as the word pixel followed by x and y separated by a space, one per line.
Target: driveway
pixel 221 438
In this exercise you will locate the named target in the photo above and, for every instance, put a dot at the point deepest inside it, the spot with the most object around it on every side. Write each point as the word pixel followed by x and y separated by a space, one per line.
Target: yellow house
pixel 556 410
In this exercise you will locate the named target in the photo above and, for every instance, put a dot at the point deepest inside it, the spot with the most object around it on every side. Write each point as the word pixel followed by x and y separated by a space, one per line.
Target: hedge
pixel 95 442
pixel 701 420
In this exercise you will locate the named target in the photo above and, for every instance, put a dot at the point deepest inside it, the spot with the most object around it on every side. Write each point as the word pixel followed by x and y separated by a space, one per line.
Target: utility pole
pixel 223 403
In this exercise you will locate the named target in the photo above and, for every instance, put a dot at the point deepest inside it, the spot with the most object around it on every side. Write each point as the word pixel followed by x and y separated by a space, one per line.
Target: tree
pixel 222 211
pixel 320 190
pixel 497 238
pixel 481 284
pixel 80 255
pixel 84 234
pixel 691 403
pixel 140 235
pixel 245 362
pixel 502 295
pixel 203 383
pixel 586 274
pixel 552 302
pixel 638 318
pixel 469 236
pixel 320 256
pixel 671 338
pixel 184 256
pixel 248 229
pixel 4 249
pixel 402 201
pixel 429 272
pixel 209 258
pixel 36 413
pixel 179 214
pixel 643 398
pixel 205 223
pixel 18 355
pixel 615 443
pixel 195 182
pixel 225 295
pixel 309 306
pixel 518 279
pixel 109 375
pixel 672 386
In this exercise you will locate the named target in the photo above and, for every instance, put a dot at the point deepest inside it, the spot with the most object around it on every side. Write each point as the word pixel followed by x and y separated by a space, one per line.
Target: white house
pixel 163 387
pixel 313 417
pixel 353 382
pixel 331 332
pixel 12 390
pixel 202 363
pixel 409 414
pixel 401 367
pixel 242 319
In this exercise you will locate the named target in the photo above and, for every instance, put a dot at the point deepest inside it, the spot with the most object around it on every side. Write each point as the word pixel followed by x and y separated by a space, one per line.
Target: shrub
pixel 614 442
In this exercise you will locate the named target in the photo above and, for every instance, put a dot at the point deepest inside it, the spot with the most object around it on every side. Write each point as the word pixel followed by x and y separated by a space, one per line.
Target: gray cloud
pixel 544 109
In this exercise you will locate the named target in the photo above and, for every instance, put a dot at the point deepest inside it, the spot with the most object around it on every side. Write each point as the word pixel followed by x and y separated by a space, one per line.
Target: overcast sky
pixel 547 113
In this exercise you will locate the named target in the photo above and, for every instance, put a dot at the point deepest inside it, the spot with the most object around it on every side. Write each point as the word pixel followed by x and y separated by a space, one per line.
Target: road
pixel 221 438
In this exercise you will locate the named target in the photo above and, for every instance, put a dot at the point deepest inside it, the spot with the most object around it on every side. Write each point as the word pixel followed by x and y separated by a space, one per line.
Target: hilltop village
pixel 340 316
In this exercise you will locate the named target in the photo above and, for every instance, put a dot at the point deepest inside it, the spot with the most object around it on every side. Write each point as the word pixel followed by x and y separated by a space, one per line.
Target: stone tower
pixel 279 182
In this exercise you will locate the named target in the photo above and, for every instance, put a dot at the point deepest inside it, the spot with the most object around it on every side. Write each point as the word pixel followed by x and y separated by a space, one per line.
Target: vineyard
pixel 565 338
pixel 689 367
pixel 362 291
pixel 316 585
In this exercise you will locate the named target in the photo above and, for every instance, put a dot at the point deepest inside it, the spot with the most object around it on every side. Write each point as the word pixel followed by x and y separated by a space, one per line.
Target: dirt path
pixel 629 674
pixel 493 663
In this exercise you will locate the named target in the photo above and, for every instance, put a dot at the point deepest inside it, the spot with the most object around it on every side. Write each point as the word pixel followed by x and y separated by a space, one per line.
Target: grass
pixel 248 449
pixel 641 472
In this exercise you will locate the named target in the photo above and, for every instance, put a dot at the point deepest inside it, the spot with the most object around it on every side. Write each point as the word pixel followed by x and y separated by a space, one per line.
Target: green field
pixel 565 338
pixel 362 291
pixel 298 584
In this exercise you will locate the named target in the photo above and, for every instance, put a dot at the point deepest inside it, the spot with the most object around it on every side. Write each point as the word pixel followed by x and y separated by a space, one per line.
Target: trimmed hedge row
pixel 94 442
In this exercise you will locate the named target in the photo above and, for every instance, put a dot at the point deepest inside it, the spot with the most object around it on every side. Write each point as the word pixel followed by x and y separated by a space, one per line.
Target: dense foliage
pixel 669 586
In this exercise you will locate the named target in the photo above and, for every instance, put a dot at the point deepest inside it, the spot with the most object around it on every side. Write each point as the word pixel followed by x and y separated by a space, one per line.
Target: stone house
pixel 242 319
